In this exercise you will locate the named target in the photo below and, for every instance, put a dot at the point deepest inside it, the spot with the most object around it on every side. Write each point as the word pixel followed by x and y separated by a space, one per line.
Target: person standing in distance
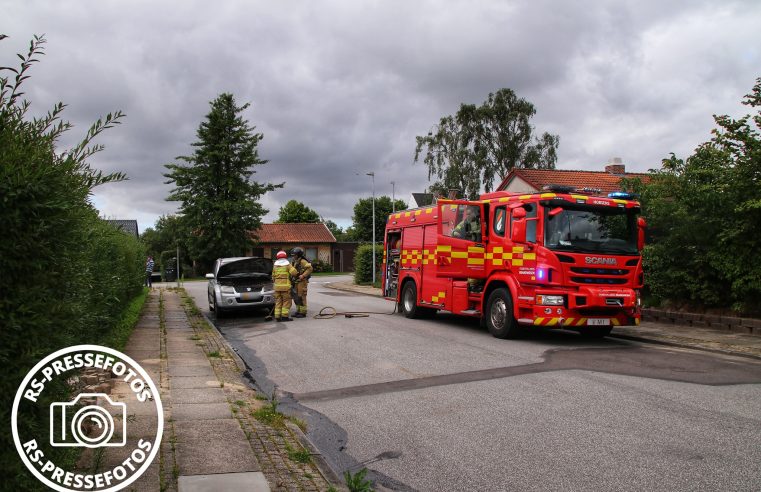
pixel 304 269
pixel 282 271
pixel 149 264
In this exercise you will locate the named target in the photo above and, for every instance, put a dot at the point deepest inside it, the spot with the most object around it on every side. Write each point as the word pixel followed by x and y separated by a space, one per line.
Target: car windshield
pixel 591 230
pixel 248 267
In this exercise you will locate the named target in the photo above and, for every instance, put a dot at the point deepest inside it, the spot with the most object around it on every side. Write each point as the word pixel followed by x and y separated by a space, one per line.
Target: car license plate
pixel 247 296
pixel 598 322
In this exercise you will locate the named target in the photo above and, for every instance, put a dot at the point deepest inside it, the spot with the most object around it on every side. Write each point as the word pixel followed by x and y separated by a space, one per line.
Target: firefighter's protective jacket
pixel 468 229
pixel 281 275
pixel 304 269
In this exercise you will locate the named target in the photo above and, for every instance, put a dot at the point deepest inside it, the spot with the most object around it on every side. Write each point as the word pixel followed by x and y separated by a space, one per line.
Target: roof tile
pixel 538 178
pixel 294 233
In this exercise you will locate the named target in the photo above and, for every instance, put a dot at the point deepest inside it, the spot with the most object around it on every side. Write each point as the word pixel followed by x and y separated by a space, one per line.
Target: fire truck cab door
pixel 461 239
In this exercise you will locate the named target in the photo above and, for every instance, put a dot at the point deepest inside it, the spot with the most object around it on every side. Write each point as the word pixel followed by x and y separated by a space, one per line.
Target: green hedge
pixel 320 266
pixel 363 263
pixel 66 276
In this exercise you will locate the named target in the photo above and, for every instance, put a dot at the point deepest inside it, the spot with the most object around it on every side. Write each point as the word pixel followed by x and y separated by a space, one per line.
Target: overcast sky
pixel 340 88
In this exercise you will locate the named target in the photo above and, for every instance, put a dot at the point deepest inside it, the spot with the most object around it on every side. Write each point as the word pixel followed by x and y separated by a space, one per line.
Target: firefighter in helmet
pixel 470 227
pixel 304 269
pixel 282 272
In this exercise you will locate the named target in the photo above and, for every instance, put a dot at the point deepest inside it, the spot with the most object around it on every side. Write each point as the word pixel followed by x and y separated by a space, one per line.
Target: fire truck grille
pixel 596 280
pixel 599 271
pixel 597 312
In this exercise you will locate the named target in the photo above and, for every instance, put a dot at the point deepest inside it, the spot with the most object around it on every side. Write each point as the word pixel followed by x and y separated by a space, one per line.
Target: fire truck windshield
pixel 591 230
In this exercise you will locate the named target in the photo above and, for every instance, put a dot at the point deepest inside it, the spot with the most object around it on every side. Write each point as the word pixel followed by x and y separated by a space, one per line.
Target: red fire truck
pixel 556 258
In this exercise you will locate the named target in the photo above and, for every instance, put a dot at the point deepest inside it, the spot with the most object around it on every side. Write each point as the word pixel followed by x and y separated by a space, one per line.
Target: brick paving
pixel 273 445
pixel 211 439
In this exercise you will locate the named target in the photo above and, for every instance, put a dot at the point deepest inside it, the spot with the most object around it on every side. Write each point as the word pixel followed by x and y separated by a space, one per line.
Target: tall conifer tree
pixel 220 200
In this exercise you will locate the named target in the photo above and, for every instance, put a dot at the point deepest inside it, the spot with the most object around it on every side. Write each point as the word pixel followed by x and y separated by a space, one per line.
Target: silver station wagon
pixel 237 283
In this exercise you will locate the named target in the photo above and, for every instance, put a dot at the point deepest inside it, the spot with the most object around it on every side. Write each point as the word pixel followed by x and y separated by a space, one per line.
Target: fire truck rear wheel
pixel 499 315
pixel 409 303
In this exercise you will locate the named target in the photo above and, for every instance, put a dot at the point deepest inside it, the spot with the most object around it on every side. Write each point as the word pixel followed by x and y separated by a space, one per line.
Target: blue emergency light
pixel 623 195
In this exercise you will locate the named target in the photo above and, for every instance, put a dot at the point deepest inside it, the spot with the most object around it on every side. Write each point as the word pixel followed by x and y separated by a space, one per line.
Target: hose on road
pixel 329 312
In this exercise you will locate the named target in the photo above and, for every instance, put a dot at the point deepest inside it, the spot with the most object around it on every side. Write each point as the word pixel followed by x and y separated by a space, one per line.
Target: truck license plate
pixel 598 321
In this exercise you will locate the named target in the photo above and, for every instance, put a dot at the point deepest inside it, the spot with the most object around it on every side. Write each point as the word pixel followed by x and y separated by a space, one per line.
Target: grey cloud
pixel 339 88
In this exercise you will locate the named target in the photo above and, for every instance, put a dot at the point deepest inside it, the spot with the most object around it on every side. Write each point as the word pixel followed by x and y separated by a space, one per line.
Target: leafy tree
pixel 337 232
pixel 296 212
pixel 469 150
pixel 220 200
pixel 362 229
pixel 167 234
pixel 704 215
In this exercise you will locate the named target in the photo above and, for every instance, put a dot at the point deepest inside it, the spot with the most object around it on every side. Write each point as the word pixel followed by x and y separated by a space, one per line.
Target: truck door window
pixel 466 220
pixel 499 221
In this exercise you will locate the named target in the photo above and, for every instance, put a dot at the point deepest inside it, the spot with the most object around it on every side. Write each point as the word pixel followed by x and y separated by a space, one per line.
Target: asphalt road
pixel 441 405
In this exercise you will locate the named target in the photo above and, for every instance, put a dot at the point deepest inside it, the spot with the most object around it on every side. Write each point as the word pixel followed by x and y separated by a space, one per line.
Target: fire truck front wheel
pixel 499 315
pixel 409 303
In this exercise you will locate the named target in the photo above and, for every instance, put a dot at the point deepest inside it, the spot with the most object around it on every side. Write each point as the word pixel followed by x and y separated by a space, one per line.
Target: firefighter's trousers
pixel 301 292
pixel 282 303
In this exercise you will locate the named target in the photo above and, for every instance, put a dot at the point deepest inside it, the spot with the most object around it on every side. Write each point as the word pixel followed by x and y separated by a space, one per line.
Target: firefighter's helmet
pixel 297 252
pixel 281 254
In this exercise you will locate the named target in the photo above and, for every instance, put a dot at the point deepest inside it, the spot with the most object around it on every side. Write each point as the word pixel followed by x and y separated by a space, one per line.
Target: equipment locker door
pixel 461 237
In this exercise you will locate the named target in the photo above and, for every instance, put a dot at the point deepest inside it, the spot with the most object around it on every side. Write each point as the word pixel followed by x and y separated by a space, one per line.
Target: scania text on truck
pixel 556 258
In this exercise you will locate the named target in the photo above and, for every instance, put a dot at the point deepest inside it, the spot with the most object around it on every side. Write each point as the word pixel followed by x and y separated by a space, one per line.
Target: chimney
pixel 615 166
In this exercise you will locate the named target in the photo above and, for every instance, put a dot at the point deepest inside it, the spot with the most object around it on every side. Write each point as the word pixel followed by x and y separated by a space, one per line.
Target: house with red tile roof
pixel 315 238
pixel 532 180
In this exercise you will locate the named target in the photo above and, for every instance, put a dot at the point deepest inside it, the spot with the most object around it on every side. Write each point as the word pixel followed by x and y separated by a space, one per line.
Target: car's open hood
pixel 246 267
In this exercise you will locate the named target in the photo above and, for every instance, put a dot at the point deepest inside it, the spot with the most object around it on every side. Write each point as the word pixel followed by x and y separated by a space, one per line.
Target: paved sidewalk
pixel 725 342
pixel 219 434
pixel 211 450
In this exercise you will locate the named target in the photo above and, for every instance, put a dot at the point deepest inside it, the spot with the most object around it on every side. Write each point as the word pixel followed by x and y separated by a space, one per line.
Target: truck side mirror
pixel 641 225
pixel 519 225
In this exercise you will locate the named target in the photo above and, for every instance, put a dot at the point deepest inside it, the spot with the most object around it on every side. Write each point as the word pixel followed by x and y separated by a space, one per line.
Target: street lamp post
pixel 372 175
pixel 393 197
